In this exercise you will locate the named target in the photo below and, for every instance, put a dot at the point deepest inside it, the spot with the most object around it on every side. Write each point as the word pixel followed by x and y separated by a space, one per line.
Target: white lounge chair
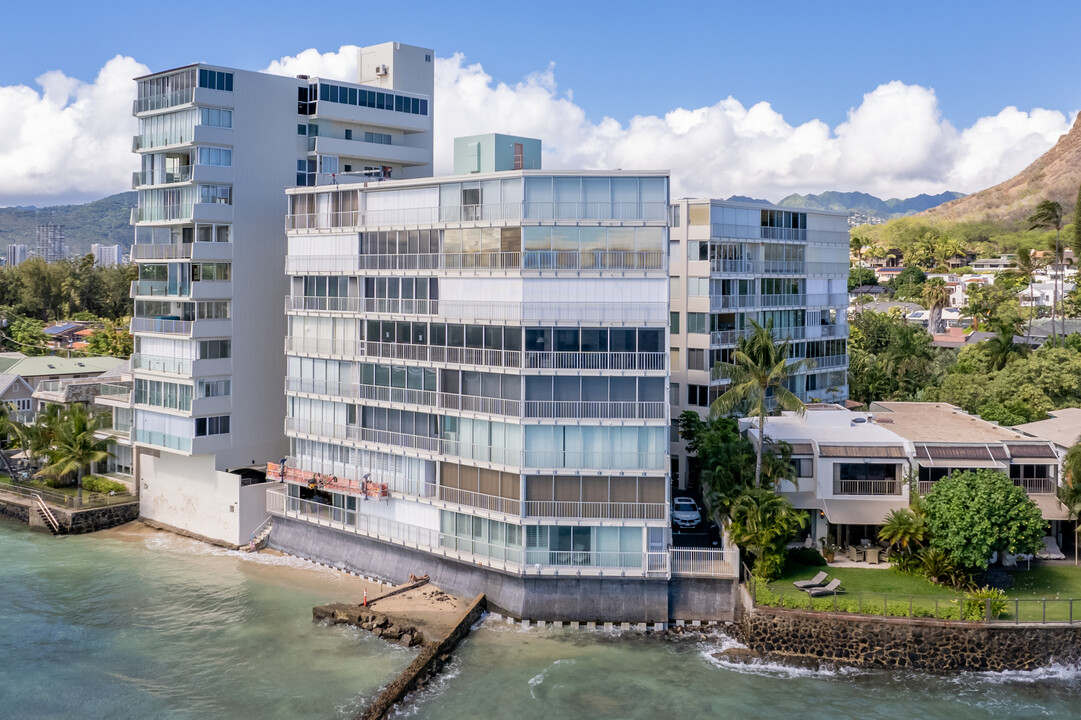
pixel 834 588
pixel 817 581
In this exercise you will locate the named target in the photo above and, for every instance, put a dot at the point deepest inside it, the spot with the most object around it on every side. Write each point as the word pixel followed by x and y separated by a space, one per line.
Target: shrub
pixel 978 601
pixel 102 485
pixel 808 557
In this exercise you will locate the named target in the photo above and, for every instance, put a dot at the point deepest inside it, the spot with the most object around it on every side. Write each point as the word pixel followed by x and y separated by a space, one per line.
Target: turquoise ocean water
pixel 134 624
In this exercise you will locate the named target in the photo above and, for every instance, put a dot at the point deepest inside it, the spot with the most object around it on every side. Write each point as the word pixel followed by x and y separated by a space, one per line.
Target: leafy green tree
pixel 1001 349
pixel 725 459
pixel 973 514
pixel 110 340
pixel 757 375
pixel 762 522
pixel 1071 465
pixel 29 336
pixel 75 447
pixel 861 276
pixel 1049 214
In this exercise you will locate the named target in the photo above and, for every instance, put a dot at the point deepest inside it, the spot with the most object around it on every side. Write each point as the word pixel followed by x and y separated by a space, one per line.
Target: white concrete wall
pixel 187 493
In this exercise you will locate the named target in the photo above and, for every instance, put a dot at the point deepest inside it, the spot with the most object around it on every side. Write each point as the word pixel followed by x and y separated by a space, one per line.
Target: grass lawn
pixel 878 592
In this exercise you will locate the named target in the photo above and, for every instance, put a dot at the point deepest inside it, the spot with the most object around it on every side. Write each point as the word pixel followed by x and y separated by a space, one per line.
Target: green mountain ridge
pixel 104 221
pixel 869 204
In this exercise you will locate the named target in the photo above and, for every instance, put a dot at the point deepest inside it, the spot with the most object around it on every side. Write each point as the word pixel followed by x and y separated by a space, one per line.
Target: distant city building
pixel 50 242
pixel 494 153
pixel 105 255
pixel 17 253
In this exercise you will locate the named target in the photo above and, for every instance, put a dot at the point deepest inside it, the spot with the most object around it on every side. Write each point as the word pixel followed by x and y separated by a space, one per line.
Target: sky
pixel 758 99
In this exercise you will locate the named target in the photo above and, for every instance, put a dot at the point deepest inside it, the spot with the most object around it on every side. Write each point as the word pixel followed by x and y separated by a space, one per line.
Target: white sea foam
pixel 539 678
pixel 436 687
pixel 1056 673
pixel 168 542
pixel 708 649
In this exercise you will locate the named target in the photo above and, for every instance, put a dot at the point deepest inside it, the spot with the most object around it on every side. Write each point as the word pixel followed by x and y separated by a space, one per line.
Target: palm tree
pixel 1028 264
pixel 762 521
pixel 936 295
pixel 1049 214
pixel 75 447
pixel 856 244
pixel 904 529
pixel 757 374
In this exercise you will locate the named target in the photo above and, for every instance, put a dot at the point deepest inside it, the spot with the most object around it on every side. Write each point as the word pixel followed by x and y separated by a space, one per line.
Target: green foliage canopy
pixel 975 513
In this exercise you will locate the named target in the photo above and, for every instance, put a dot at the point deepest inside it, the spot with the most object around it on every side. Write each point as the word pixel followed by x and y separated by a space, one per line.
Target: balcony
pixel 553 360
pixel 162 326
pixel 116 395
pixel 510 212
pixel 294 303
pixel 513 560
pixel 163 101
pixel 161 177
pixel 867 487
pixel 163 440
pixel 481 261
pixel 176 251
pixel 587 410
pixel 160 363
pixel 373 153
pixel 691 562
pixel 596 510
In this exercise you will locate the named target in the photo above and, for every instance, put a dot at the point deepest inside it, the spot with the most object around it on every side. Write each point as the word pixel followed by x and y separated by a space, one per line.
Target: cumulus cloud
pixel 70 140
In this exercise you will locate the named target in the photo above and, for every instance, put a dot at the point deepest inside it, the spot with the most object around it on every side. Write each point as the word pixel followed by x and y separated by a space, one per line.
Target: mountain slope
pixel 102 221
pixel 1055 175
pixel 868 204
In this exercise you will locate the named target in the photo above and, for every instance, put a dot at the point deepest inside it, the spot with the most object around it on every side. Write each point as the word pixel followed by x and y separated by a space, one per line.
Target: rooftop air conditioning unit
pixel 380 69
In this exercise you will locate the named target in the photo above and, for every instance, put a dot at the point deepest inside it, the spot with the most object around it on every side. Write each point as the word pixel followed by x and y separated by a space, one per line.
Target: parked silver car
pixel 685 514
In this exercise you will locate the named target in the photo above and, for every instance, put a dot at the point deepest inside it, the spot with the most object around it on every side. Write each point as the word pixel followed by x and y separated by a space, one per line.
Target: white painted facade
pixel 218 146
pixel 491 348
pixel 732 262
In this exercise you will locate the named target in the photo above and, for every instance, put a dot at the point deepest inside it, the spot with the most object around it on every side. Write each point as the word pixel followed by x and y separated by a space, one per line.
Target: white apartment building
pixel 218 147
pixel 732 262
pixel 484 357
pixel 49 242
pixel 17 254
pixel 105 255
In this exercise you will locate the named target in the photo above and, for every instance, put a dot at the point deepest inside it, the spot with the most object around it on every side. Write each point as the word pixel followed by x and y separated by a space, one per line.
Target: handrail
pixel 47 513
pixel 255 532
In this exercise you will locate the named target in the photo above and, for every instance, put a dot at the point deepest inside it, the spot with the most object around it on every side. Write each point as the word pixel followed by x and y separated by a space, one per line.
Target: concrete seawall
pixel 72 522
pixel 551 598
pixel 431 659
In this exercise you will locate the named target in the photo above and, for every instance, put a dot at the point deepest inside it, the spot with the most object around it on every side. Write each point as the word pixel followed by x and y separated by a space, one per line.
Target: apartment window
pixel 696 359
pixel 673 353
pixel 215 349
pixel 302 129
pixel 215 80
pixel 673 432
pixel 348 134
pixel 163 394
pixel 217 194
pixel 217 425
pixel 673 394
pixel 698 322
pixel 211 271
pixel 214 156
pixel 697 286
pixel 803 467
pixel 698 395
pixel 214 388
pixel 377 138
pixel 216 117
pixel 673 216
pixel 673 321
pixel 674 288
pixel 212 310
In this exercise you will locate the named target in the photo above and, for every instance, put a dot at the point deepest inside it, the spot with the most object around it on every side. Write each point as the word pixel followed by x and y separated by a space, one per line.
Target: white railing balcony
pixel 733 267
pixel 51 386
pixel 596 510
pixel 584 312
pixel 161 363
pixel 161 177
pixel 163 213
pixel 693 562
pixel 163 101
pixel 116 393
pixel 394 306
pixel 731 337
pixel 784 267
pixel 595 410
pixel 161 325
pixel 867 487
pixel 146 251
pixel 471 262
pixel 156 288
pixel 554 360
pixel 644 211
pixel 609 459
pixel 163 440
pixel 480 501
pixel 779 233
pixel 1037 486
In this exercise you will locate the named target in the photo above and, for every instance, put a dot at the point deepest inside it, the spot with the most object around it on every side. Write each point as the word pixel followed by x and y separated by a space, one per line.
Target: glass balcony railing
pixel 161 177
pixel 163 101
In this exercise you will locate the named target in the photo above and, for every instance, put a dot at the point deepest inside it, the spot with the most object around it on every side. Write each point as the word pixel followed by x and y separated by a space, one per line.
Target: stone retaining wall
pixel 935 645
pixel 100 518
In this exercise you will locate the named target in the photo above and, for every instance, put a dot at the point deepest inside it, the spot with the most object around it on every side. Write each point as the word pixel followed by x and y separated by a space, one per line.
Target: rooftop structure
pixel 1063 428
pixel 494 153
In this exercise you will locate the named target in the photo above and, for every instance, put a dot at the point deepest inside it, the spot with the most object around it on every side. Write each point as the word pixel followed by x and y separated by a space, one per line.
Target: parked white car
pixel 685 513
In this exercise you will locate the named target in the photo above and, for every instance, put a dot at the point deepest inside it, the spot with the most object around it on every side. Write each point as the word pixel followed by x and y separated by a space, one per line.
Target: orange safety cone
pixel 365 598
